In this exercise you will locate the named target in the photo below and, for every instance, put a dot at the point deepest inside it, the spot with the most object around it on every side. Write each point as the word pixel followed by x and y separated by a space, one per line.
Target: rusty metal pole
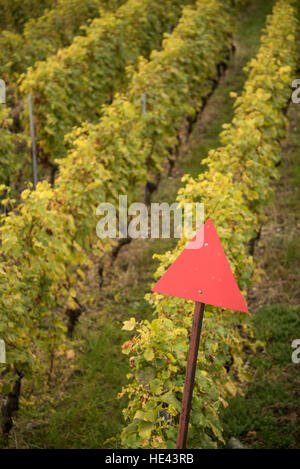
pixel 190 376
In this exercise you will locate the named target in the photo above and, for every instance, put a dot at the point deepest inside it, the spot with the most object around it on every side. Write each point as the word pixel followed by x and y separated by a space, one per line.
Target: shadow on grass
pixel 268 416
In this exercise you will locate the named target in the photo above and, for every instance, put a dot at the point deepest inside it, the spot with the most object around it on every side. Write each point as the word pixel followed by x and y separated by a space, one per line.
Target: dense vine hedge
pixel 71 86
pixel 43 36
pixel 6 145
pixel 14 13
pixel 40 37
pixel 235 189
pixel 176 80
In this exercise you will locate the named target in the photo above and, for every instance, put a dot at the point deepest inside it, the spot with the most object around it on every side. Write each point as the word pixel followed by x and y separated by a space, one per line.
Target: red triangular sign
pixel 203 274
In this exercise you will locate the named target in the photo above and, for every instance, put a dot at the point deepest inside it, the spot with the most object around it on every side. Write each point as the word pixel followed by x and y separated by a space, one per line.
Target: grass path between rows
pixel 81 410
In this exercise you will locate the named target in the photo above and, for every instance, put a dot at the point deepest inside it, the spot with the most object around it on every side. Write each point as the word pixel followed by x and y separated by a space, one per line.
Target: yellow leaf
pixel 71 303
pixel 129 325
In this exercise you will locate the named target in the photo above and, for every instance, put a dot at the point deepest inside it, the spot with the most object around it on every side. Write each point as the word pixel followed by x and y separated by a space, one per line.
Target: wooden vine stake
pixel 201 273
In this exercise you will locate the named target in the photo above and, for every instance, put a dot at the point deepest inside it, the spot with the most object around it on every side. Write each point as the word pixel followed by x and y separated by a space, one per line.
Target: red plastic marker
pixel 204 276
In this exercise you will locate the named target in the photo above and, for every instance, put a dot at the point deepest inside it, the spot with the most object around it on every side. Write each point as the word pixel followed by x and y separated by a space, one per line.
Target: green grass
pixel 85 411
pixel 90 410
pixel 268 416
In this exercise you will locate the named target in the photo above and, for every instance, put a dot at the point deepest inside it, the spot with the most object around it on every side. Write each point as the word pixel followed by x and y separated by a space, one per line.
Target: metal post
pixel 190 375
pixel 34 155
pixel 2 92
pixel 2 351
